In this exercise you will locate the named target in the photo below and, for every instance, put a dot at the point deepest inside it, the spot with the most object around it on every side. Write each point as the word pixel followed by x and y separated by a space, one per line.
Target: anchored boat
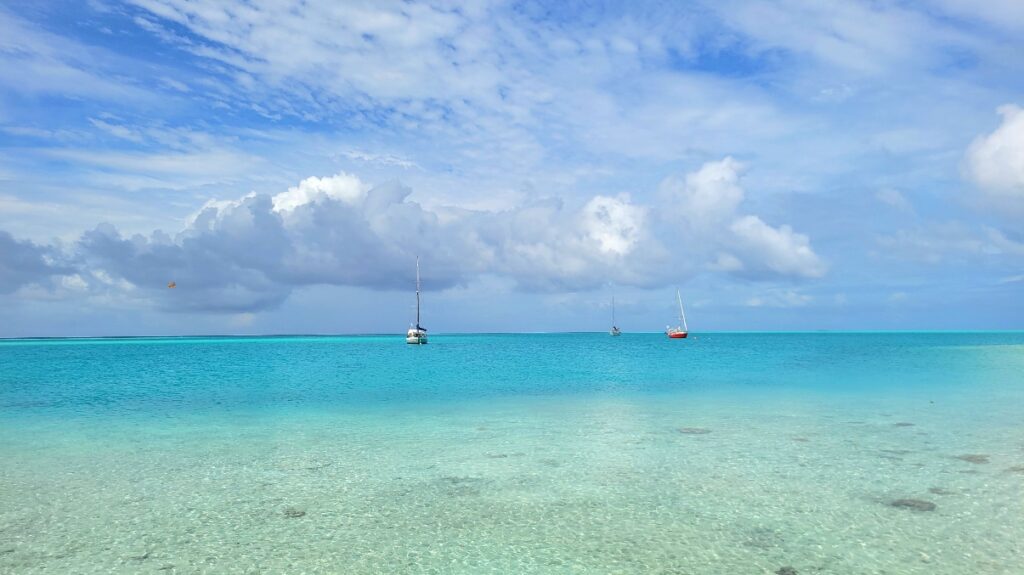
pixel 417 334
pixel 680 331
pixel 615 330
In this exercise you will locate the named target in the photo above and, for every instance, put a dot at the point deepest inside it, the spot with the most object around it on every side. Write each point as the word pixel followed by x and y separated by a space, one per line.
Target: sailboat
pixel 615 330
pixel 417 334
pixel 680 331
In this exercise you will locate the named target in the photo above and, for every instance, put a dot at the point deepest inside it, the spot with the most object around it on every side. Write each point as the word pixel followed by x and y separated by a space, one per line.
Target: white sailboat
pixel 680 331
pixel 417 334
pixel 615 330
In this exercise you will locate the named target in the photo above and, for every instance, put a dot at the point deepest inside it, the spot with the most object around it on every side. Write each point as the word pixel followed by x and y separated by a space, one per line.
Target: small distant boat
pixel 417 334
pixel 615 330
pixel 680 331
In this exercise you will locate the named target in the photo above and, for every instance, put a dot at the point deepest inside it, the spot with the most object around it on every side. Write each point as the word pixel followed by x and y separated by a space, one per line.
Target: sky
pixel 787 165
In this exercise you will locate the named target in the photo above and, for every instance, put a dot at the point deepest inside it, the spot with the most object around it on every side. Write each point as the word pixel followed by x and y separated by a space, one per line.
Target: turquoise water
pixel 563 453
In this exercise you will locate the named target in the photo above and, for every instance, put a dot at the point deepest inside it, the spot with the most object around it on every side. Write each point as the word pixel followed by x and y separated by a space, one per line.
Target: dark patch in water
pixel 763 538
pixel 976 458
pixel 462 486
pixel 787 570
pixel 496 455
pixel 1016 469
pixel 694 430
pixel 913 504
pixel 903 424
pixel 294 513
pixel 165 568
pixel 551 462
pixel 454 480
pixel 800 439
pixel 940 491
pixel 142 557
pixel 896 451
pixel 6 551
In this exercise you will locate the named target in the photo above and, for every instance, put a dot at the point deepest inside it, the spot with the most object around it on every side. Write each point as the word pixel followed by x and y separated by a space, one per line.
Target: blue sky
pixel 788 165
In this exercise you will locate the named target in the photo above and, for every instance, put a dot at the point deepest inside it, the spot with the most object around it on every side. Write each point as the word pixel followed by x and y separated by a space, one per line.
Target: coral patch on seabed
pixel 903 424
pixel 787 570
pixel 293 513
pixel 913 504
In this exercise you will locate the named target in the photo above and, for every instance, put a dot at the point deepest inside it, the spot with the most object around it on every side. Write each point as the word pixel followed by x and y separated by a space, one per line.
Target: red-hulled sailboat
pixel 680 331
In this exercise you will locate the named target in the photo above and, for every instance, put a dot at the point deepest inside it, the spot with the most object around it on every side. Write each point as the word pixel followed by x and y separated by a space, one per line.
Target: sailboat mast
pixel 682 314
pixel 613 311
pixel 417 292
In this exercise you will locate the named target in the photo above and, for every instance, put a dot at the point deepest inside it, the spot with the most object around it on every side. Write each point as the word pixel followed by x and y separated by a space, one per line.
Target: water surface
pixel 567 453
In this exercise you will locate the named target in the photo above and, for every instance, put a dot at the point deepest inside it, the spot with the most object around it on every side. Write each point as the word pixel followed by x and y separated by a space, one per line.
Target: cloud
pixel 1001 243
pixel 24 263
pixel 708 196
pixel 379 159
pixel 388 50
pixel 950 241
pixel 780 298
pixel 614 224
pixel 780 251
pixel 342 187
pixel 995 161
pixel 894 198
pixel 861 37
pixel 248 254
pixel 34 62
pixel 1008 14
pixel 705 213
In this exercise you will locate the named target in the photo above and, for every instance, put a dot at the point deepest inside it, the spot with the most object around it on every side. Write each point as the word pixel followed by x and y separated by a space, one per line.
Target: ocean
pixel 727 453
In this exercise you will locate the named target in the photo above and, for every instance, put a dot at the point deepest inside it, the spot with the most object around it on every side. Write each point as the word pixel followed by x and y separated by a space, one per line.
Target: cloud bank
pixel 249 254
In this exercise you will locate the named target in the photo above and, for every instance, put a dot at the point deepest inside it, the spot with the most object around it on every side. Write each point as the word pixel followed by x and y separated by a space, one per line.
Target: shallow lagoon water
pixel 568 453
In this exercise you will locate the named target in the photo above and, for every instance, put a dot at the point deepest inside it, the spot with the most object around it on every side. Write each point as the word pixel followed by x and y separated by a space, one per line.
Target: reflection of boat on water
pixel 417 334
pixel 615 330
pixel 680 331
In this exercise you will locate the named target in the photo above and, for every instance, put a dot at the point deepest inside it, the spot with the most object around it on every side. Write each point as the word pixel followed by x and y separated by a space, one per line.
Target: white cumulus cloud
pixel 705 214
pixel 614 224
pixel 780 250
pixel 995 161
pixel 339 187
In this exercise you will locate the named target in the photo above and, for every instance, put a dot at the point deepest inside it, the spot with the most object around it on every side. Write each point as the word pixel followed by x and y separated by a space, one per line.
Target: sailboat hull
pixel 416 337
pixel 680 331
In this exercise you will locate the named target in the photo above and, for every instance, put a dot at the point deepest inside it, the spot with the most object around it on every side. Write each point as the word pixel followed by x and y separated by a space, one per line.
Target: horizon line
pixel 573 332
